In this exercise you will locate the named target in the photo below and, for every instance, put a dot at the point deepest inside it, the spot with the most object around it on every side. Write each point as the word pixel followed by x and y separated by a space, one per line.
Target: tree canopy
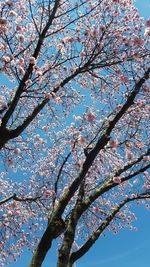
pixel 74 124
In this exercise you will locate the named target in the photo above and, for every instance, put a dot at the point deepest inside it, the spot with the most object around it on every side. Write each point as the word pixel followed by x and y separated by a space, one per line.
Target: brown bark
pixel 54 229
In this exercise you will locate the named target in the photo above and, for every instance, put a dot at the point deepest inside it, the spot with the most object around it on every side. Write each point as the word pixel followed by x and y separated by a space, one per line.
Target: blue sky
pixel 128 248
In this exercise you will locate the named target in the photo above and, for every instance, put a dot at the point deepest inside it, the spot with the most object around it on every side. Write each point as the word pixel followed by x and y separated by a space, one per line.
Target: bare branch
pixel 14 197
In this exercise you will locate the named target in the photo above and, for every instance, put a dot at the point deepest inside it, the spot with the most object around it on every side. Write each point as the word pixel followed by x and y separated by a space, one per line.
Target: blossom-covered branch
pixel 93 238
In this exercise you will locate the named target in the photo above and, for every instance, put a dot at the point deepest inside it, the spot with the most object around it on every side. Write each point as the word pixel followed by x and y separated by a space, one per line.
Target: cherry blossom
pixel 90 116
pixel 117 180
pixel 74 125
pixel 32 60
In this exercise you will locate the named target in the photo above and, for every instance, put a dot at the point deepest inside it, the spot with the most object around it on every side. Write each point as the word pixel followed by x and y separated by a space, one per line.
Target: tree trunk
pixel 55 228
pixel 40 254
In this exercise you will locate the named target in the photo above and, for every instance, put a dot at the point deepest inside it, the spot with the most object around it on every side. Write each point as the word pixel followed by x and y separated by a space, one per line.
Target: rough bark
pixel 54 229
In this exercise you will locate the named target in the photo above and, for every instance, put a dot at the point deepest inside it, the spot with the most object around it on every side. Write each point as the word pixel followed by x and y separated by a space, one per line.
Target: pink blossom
pixel 21 38
pixel 3 30
pixel 117 180
pixel 67 40
pixel 90 116
pixel 60 47
pixel 145 89
pixel 10 213
pixel 58 100
pixel 121 215
pixel 21 71
pixel 136 181
pixel 32 60
pixel 13 63
pixel 49 96
pixel 12 13
pixel 129 155
pixel 6 59
pixel 6 220
pixel 21 60
pixel 9 3
pixel 4 104
pixel 50 193
pixel 82 140
pixel 65 68
pixel 77 118
pixel 133 195
pixel 102 27
pixel 17 151
pixel 138 41
pixel 28 82
pixel 10 161
pixel 136 28
pixel 147 32
pixel 124 79
pixel 148 23
pixel 39 73
pixel 82 54
pixel 45 128
pixel 17 213
pixel 18 28
pixel 113 143
pixel 96 209
pixel 3 21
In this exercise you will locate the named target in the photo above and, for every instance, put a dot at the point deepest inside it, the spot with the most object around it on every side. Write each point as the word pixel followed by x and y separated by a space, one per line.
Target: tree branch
pixel 99 145
pixel 29 69
pixel 14 197
pixel 109 185
pixel 90 242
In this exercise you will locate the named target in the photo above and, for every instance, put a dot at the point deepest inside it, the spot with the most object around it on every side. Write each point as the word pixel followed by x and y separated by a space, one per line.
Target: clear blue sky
pixel 128 248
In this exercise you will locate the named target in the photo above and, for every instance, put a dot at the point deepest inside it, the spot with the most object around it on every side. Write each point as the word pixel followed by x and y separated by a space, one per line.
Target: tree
pixel 71 174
